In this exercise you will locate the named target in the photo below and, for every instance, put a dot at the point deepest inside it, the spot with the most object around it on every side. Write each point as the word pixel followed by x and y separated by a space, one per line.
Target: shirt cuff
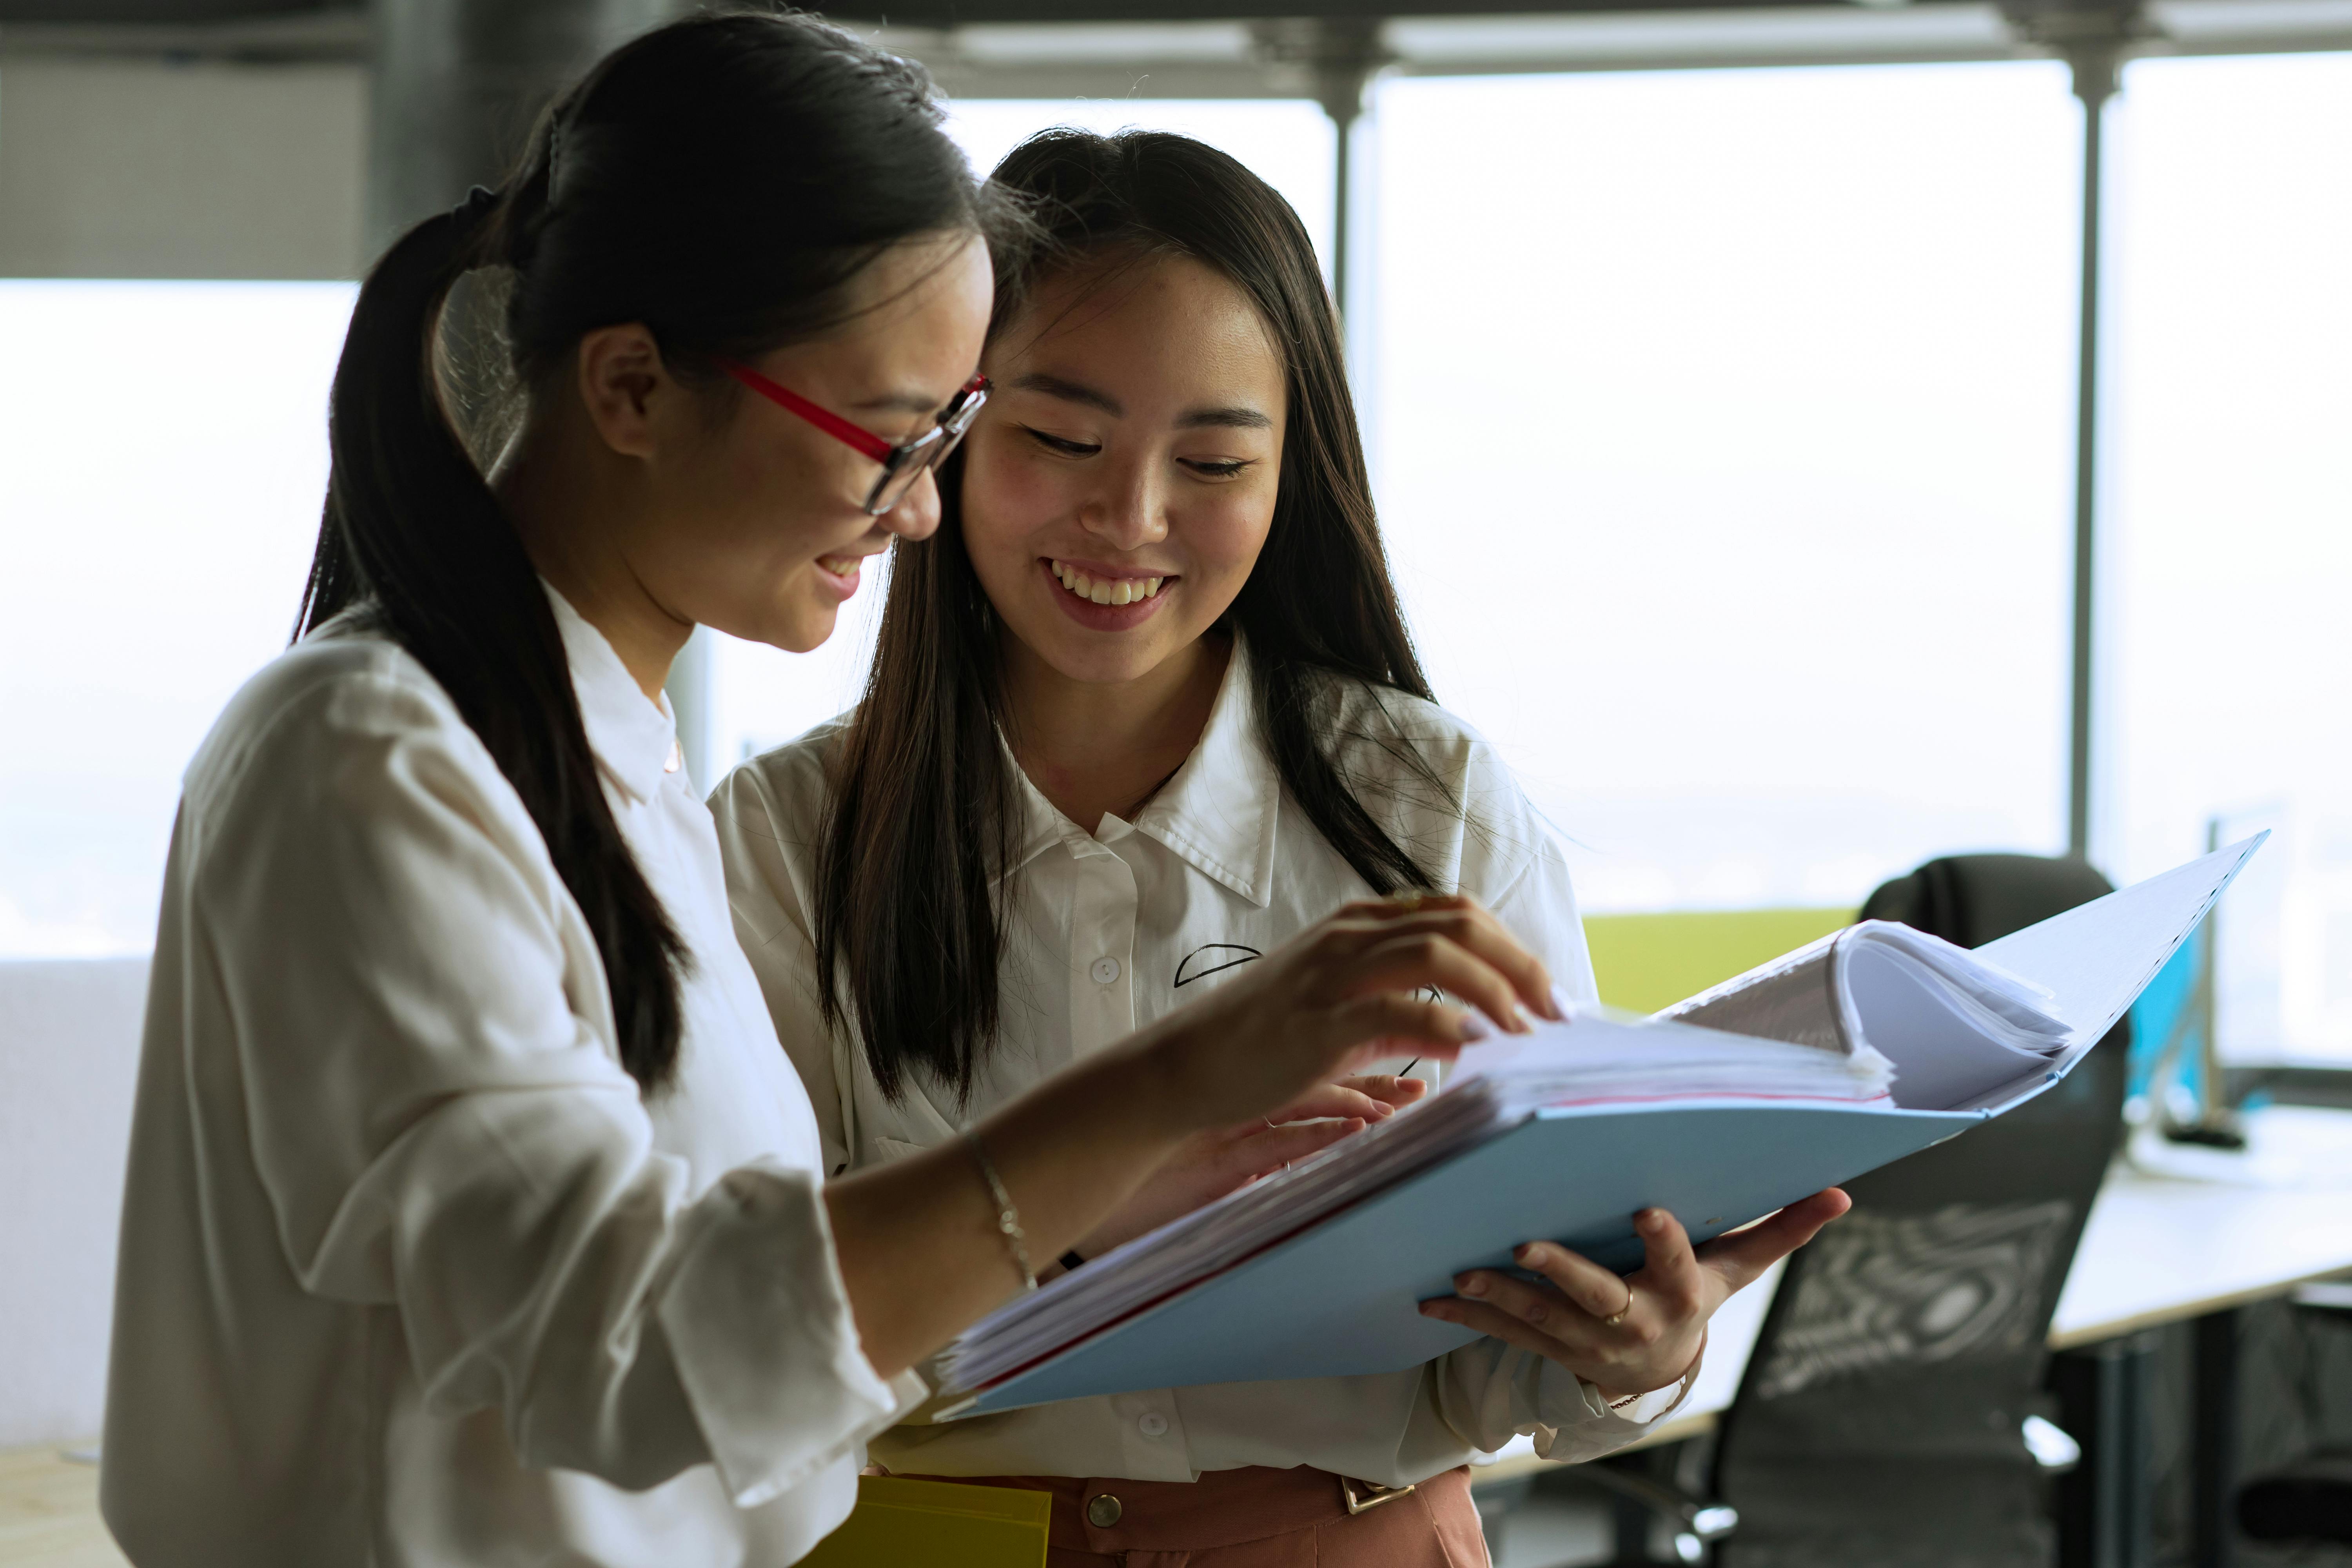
pixel 1603 1428
pixel 759 1324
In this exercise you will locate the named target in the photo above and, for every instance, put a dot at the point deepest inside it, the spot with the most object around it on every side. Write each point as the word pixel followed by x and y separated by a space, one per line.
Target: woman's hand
pixel 1207 1165
pixel 1629 1336
pixel 1341 996
pixel 921 1241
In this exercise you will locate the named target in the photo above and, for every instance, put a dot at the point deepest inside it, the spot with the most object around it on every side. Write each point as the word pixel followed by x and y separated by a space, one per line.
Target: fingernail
pixel 1558 1003
pixel 1651 1219
pixel 1474 1028
pixel 1470 1285
pixel 1382 1108
pixel 1435 1309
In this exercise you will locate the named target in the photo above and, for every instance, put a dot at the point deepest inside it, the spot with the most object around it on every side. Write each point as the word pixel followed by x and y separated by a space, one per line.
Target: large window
pixel 1723 451
pixel 1722 428
pixel 162 453
pixel 2232 485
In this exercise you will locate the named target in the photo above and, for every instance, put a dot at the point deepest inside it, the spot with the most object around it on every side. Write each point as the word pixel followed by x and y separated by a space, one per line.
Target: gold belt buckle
pixel 1362 1495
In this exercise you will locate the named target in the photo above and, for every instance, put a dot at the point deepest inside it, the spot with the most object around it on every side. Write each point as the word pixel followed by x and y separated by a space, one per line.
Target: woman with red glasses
pixel 1141 711
pixel 474 1215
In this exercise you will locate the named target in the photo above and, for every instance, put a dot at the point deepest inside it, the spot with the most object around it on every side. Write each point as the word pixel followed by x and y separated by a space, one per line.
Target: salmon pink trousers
pixel 1255 1518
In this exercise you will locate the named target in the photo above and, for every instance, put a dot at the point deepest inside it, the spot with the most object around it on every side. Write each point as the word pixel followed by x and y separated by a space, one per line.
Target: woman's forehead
pixel 1165 313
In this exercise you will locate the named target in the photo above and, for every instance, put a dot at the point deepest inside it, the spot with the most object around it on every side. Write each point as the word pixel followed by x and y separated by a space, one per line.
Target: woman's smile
pixel 1105 598
pixel 839 572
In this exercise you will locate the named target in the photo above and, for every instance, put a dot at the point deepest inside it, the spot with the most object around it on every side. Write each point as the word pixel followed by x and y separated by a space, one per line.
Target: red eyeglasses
pixel 903 462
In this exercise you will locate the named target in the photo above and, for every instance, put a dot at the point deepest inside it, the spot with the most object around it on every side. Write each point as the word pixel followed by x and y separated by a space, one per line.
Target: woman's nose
pixel 1130 510
pixel 917 515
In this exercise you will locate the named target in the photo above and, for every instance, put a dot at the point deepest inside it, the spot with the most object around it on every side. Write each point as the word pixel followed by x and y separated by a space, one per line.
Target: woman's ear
pixel 621 381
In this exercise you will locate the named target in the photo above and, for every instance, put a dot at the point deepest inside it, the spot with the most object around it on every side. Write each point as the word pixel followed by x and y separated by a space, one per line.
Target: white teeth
pixel 1120 590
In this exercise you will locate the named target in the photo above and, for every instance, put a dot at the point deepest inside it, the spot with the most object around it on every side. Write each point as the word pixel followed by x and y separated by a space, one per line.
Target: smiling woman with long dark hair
pixel 1141 711
pixel 474 1215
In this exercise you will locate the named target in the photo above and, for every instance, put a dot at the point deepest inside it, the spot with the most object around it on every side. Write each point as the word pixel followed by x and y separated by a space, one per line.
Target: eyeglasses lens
pixel 893 487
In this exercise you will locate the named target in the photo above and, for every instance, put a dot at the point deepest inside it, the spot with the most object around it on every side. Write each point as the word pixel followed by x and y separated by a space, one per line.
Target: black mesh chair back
pixel 1880 1421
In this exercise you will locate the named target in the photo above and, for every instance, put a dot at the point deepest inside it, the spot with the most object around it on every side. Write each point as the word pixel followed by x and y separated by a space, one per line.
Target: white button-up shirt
pixel 412 1273
pixel 1109 930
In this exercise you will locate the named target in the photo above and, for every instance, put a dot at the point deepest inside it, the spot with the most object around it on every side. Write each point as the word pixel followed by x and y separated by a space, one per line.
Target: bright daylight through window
pixel 1726 459
pixel 1722 428
pixel 2232 485
pixel 162 453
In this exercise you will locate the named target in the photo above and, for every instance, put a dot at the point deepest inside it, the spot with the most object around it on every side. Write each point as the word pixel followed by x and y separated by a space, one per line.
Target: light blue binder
pixel 1340 1297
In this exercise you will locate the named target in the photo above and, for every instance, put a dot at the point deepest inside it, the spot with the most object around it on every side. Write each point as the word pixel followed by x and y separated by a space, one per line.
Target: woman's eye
pixel 1068 447
pixel 1217 468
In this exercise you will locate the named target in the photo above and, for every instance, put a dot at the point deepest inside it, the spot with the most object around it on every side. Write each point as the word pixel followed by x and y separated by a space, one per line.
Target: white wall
pixel 137 169
pixel 69 1060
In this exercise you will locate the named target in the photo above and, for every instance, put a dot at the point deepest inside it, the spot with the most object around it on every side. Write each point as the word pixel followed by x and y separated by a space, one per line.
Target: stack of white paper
pixel 1955 1027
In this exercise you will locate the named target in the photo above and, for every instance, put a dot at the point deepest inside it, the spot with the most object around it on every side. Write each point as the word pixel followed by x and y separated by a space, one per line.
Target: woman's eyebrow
pixel 905 401
pixel 1070 392
pixel 1224 419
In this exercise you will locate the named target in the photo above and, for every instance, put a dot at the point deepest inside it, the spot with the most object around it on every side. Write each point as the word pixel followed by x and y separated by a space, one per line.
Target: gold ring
pixel 1408 902
pixel 1617 1317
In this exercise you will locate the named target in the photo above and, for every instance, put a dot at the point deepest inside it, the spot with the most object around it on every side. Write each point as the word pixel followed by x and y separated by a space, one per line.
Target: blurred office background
pixel 1721 366
pixel 1723 422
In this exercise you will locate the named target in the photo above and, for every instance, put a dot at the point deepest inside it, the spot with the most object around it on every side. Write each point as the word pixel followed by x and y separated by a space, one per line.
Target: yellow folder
pixel 912 1524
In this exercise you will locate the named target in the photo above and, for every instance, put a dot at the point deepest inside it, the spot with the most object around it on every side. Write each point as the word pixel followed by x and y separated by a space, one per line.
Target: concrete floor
pixel 1546 1529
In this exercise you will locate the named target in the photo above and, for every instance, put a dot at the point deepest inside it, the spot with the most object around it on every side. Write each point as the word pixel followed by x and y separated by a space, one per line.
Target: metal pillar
pixel 1340 56
pixel 2095 62
pixel 457 83
pixel 2213 1445
pixel 1343 121
pixel 2107 1503
pixel 690 689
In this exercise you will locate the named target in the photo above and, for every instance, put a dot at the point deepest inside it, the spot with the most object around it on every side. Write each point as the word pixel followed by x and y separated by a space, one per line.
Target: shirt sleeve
pixel 435 1108
pixel 774 926
pixel 1488 1392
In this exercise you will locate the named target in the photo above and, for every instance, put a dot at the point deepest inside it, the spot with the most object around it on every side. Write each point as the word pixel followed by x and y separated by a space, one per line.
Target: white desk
pixel 2222 1231
pixel 2158 1250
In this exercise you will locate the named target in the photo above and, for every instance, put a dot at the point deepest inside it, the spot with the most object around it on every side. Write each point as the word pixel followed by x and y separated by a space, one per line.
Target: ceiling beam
pixel 1246 58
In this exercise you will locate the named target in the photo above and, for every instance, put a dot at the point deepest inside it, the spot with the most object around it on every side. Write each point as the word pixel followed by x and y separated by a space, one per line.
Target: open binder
pixel 1871 1043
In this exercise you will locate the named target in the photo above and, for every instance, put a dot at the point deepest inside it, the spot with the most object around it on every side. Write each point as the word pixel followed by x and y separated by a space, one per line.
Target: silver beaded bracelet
pixel 1008 1218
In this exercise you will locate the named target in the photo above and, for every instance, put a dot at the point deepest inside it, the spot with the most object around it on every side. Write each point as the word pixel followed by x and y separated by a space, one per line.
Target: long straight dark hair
pixel 910 918
pixel 722 181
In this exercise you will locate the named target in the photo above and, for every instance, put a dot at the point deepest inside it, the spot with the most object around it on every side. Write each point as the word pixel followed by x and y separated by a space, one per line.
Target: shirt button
pixel 1154 1425
pixel 1102 1511
pixel 1105 971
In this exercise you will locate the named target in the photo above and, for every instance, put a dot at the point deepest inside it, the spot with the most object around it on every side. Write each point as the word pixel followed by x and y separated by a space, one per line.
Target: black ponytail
pixel 721 181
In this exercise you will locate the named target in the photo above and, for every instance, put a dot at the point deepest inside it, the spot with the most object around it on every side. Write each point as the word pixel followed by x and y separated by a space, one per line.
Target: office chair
pixel 1883 1417
pixel 2308 1503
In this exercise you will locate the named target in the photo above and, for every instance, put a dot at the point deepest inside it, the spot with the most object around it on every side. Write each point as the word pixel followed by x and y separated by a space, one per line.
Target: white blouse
pixel 1110 932
pixel 412 1273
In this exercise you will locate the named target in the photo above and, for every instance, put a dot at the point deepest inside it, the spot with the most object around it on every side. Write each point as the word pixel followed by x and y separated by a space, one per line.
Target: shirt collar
pixel 1217 813
pixel 633 740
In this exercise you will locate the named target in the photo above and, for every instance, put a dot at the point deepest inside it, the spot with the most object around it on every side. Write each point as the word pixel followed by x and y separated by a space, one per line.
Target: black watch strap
pixel 1070 1262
